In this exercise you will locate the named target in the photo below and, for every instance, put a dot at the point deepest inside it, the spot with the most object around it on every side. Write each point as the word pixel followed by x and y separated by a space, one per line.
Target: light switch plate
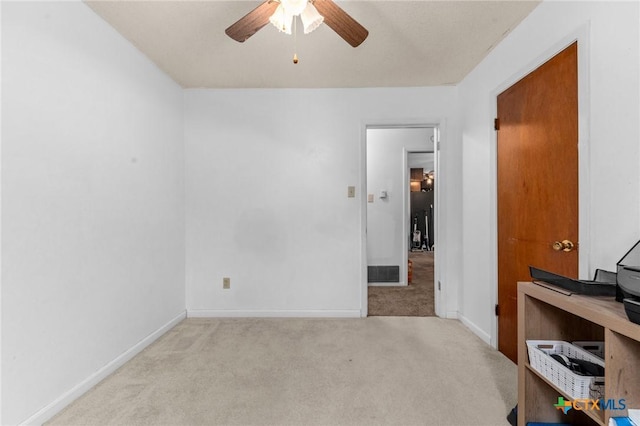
pixel 370 198
pixel 351 191
pixel 226 283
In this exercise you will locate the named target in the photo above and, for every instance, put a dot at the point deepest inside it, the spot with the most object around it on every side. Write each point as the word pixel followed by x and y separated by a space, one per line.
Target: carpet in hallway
pixel 414 300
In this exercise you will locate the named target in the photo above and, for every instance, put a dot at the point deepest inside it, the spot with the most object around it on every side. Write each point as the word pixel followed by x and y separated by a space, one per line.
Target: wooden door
pixel 537 134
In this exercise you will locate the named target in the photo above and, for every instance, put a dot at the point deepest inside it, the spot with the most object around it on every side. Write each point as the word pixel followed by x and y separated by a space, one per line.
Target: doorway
pixel 399 206
pixel 421 200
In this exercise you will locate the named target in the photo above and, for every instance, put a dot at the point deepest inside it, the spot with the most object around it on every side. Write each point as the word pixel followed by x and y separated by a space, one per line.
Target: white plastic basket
pixel 574 385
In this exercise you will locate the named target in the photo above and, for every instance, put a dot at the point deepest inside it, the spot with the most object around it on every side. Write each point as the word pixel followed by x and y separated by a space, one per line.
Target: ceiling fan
pixel 281 13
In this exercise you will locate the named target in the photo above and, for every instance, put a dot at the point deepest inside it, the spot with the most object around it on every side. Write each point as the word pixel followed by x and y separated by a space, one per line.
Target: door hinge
pixel 496 124
pixel 438 146
pixel 439 286
pixel 497 310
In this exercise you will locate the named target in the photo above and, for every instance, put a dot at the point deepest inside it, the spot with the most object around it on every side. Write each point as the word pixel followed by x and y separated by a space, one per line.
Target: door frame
pixel 438 129
pixel 581 35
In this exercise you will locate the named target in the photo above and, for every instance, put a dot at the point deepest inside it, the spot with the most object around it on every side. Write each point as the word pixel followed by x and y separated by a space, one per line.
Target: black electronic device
pixel 604 283
pixel 632 308
pixel 579 366
pixel 629 274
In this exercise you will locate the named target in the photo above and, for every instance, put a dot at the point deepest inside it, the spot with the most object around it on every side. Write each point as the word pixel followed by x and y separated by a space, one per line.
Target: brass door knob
pixel 564 245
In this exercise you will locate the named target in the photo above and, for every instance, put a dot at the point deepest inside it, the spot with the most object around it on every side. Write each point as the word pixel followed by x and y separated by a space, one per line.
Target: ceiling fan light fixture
pixel 282 13
pixel 294 7
pixel 282 20
pixel 311 18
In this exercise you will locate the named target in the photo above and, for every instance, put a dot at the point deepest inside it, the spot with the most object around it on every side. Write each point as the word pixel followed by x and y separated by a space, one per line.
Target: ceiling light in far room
pixel 428 180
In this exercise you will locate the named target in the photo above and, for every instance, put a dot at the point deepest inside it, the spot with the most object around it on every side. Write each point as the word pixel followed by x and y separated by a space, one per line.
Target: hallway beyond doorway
pixel 414 300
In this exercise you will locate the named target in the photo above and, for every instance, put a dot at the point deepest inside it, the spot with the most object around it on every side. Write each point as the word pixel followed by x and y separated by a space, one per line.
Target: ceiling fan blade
pixel 340 22
pixel 250 23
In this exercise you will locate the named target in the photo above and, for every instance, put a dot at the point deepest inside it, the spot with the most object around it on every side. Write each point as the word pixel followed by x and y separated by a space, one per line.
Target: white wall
pixel 267 206
pixel 1 314
pixel 387 169
pixel 92 202
pixel 424 161
pixel 609 135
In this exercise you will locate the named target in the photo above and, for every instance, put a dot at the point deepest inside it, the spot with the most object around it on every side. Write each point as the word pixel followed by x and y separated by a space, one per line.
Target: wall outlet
pixel 226 283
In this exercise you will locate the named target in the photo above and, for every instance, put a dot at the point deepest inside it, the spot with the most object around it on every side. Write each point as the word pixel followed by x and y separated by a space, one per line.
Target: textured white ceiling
pixel 410 43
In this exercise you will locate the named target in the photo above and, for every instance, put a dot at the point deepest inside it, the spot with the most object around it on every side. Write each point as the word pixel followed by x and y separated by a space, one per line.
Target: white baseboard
pixel 68 397
pixel 212 313
pixel 452 315
pixel 476 330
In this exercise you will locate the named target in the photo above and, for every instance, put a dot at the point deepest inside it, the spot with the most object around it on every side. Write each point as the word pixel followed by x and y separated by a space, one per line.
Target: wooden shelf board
pixel 604 311
pixel 622 355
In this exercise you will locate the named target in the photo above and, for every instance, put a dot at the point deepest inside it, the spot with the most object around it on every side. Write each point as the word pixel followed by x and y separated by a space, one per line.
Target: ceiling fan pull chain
pixel 284 20
pixel 295 40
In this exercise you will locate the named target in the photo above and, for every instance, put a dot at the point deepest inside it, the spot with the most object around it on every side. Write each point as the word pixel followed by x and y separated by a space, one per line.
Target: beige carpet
pixel 373 371
pixel 414 300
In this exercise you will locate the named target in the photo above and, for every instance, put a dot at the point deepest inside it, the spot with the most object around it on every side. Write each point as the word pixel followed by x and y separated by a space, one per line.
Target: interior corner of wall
pixel 452 315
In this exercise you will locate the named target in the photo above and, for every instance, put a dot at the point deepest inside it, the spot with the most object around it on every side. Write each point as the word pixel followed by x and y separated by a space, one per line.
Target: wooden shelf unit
pixel 544 314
